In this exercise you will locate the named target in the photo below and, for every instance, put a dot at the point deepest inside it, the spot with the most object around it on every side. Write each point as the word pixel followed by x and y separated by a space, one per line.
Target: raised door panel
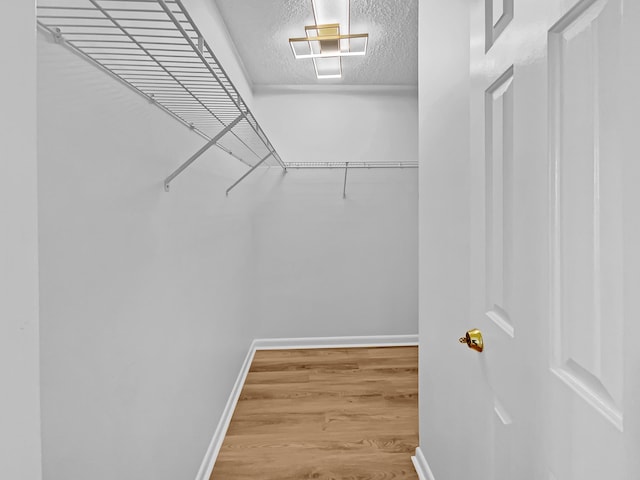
pixel 499 200
pixel 500 361
pixel 497 16
pixel 587 316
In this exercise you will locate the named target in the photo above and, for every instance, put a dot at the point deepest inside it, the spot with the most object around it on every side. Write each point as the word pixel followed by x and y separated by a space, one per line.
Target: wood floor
pixel 325 414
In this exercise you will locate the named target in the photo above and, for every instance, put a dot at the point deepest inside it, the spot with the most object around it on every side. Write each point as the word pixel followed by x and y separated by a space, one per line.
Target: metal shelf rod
pixel 342 165
pixel 344 188
pixel 248 173
pixel 195 156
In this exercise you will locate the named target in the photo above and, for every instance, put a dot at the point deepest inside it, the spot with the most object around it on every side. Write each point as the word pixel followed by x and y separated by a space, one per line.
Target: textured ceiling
pixel 261 29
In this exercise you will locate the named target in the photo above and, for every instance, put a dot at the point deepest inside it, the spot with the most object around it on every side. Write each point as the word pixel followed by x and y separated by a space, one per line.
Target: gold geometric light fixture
pixel 329 39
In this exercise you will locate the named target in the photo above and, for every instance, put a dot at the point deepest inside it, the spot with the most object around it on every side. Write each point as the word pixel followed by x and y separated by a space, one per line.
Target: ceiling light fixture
pixel 329 39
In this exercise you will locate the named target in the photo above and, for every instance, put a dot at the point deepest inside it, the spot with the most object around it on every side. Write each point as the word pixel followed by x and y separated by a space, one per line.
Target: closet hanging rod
pixel 350 165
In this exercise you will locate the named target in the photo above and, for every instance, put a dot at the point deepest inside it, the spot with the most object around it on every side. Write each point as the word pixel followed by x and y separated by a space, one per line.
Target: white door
pixel 554 246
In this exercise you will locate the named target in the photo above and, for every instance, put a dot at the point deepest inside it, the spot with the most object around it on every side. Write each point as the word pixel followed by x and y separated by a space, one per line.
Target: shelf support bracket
pixel 249 172
pixel 193 157
pixel 344 188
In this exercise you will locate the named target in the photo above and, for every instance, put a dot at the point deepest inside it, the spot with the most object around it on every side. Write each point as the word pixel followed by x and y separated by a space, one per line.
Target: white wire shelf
pixel 350 165
pixel 155 48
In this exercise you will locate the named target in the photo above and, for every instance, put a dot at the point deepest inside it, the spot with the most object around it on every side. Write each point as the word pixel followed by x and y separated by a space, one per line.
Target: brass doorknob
pixel 473 339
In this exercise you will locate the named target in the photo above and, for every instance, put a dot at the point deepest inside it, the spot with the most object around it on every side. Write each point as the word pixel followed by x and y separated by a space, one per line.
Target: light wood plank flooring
pixel 335 413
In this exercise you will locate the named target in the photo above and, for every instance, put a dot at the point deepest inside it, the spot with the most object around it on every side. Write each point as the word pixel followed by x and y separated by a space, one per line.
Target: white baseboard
pixel 223 424
pixel 336 342
pixel 281 344
pixel 421 466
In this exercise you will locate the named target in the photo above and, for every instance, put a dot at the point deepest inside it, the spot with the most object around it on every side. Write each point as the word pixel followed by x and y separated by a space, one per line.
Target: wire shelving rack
pixel 155 48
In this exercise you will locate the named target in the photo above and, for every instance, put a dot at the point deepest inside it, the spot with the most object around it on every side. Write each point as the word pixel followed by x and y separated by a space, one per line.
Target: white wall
pixel 357 124
pixel 19 359
pixel 361 251
pixel 144 321
pixel 150 299
pixel 328 266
